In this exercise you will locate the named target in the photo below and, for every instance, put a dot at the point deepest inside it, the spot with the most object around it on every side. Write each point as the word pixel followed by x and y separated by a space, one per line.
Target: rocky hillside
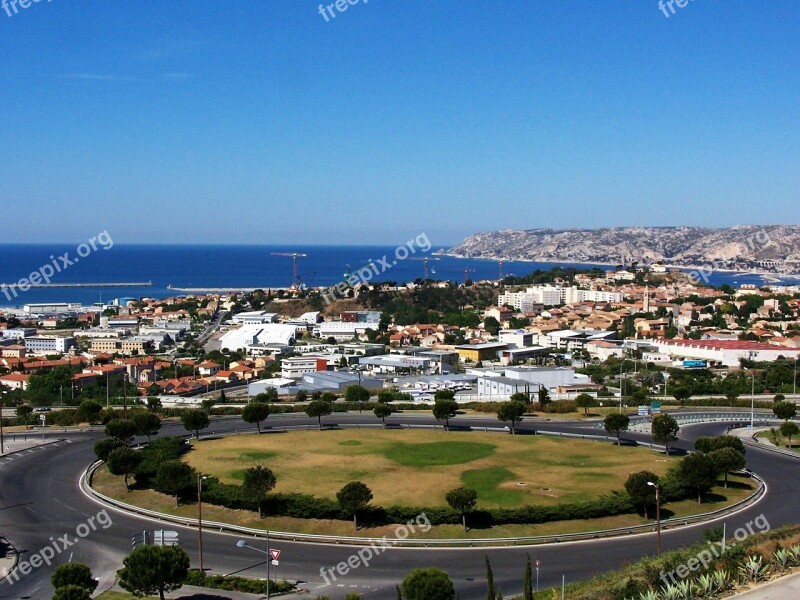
pixel 771 247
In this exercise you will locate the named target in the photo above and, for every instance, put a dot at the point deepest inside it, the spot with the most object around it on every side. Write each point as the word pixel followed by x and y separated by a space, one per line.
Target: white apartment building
pixel 46 344
pixel 297 366
pixel 551 295
pixel 18 333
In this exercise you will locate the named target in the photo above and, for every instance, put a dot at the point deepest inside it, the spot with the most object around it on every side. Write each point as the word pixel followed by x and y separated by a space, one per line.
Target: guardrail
pixel 86 485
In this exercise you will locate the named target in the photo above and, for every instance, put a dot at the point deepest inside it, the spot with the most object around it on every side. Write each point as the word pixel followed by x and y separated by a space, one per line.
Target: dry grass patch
pixel 413 468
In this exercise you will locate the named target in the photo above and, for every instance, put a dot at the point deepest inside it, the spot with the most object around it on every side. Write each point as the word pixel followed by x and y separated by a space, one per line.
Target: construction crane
pixel 294 256
pixel 425 263
pixel 465 274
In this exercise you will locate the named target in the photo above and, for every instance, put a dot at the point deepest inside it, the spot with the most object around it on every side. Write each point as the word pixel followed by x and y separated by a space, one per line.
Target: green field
pixel 415 468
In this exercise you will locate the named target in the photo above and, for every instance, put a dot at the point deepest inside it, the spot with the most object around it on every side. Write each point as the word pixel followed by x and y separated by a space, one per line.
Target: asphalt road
pixel 40 499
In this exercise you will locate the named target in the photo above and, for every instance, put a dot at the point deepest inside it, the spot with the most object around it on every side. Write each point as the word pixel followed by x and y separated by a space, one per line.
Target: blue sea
pixel 201 266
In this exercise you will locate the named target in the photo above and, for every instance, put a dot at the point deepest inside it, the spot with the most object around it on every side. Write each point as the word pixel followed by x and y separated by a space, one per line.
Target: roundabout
pixel 29 517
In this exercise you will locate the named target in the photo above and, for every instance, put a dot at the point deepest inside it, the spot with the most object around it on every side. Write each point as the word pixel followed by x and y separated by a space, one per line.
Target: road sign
pixel 165 538
pixel 655 407
pixel 538 563
pixel 139 539
pixel 275 563
pixel 643 410
pixel 274 554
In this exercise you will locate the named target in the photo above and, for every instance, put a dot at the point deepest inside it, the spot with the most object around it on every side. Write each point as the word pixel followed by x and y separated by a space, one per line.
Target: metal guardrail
pixel 420 543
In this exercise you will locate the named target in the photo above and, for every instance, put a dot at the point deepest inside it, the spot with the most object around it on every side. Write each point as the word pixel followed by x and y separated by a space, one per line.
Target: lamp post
pixel 794 386
pixel 658 515
pixel 752 397
pixel 200 480
pixel 621 384
pixel 244 544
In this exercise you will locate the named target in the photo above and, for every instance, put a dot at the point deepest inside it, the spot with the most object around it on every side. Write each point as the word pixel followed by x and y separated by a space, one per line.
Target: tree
pixel 665 430
pixel 789 430
pixel 544 398
pixel 24 412
pixel 385 396
pixel 444 394
pixel 206 404
pixel 255 412
pixel 356 394
pixel 151 570
pixel 174 476
pixel 511 412
pixel 444 410
pixel 490 594
pixel 301 396
pixel 520 397
pixel 784 410
pixel 492 325
pixel 643 495
pixel 727 460
pixel 382 411
pixel 122 429
pixel 428 583
pixel 258 482
pixel 89 411
pixel 330 398
pixel 146 423
pixel 681 394
pixel 123 461
pixel 74 574
pixel 462 500
pixel 585 401
pixel 154 404
pixel 318 409
pixel 102 448
pixel 72 592
pixel 195 420
pixel 697 471
pixel 616 423
pixel 707 444
pixel 527 586
pixel 354 497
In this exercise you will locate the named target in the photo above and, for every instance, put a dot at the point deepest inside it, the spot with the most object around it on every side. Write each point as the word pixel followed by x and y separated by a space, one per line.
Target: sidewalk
pixel 190 592
pixel 785 588
pixel 8 558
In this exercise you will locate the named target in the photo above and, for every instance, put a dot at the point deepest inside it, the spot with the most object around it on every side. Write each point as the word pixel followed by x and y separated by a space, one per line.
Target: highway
pixel 40 498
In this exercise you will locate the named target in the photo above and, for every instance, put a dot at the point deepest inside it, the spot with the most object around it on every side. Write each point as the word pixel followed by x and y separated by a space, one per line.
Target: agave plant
pixel 723 580
pixel 753 569
pixel 684 590
pixel 781 558
pixel 670 592
pixel 649 595
pixel 794 555
pixel 704 586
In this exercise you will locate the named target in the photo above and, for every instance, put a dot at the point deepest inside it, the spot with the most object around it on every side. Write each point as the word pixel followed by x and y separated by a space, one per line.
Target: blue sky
pixel 260 122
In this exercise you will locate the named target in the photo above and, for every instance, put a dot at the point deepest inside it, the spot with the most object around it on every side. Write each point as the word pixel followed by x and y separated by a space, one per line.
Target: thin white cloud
pixel 99 77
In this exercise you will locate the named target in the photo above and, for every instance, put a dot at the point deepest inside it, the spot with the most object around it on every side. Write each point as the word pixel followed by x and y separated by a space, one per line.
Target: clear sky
pixel 261 122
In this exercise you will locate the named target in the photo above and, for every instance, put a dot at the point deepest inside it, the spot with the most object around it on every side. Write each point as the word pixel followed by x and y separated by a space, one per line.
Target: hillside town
pixel 573 333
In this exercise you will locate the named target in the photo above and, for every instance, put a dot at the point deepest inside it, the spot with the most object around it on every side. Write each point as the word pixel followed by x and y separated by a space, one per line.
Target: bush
pixel 237 584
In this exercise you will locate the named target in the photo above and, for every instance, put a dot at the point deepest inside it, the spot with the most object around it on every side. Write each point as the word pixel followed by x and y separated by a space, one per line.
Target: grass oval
pixel 437 453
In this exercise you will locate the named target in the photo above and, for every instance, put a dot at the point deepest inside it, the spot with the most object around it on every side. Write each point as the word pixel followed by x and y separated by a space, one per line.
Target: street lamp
pixel 752 397
pixel 658 515
pixel 794 387
pixel 244 544
pixel 200 479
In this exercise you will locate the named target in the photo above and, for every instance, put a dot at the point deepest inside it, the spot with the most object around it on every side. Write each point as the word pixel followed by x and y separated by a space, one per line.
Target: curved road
pixel 40 500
